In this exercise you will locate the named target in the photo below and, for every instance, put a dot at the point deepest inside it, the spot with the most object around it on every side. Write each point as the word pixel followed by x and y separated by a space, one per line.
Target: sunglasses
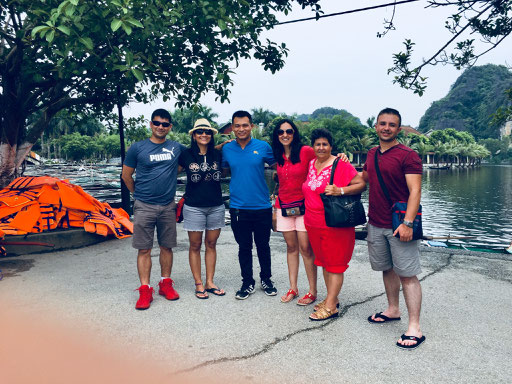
pixel 288 132
pixel 202 131
pixel 158 123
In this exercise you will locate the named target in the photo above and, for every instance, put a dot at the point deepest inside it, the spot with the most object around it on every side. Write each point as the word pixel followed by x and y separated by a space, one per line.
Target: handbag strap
pixel 381 181
pixel 333 170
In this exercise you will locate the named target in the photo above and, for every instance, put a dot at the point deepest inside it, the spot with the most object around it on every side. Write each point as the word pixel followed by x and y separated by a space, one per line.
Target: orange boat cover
pixel 37 204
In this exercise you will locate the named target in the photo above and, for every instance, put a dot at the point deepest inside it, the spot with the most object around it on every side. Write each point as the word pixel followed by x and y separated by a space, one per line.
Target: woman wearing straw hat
pixel 204 208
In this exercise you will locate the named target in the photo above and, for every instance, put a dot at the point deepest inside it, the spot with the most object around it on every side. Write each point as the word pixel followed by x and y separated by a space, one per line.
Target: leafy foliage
pixel 489 19
pixel 87 55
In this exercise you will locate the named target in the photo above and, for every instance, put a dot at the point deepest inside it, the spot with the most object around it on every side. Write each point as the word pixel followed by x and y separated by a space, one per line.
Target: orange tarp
pixel 36 204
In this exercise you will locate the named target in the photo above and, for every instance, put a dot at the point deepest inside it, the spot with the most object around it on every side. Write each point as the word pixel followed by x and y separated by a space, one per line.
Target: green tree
pixel 489 21
pixel 79 147
pixel 260 115
pixel 183 119
pixel 345 129
pixel 65 54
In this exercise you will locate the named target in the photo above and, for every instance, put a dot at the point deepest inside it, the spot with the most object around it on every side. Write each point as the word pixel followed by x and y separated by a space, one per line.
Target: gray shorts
pixel 148 216
pixel 387 251
pixel 201 218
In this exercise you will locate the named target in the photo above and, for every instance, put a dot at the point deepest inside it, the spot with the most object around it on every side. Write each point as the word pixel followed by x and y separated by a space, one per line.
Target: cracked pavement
pixel 466 316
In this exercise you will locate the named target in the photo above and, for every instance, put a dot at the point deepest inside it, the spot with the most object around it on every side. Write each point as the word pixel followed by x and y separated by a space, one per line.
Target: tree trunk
pixel 11 159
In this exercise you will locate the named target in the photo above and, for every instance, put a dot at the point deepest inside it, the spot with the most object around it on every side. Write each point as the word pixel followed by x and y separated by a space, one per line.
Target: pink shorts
pixel 287 224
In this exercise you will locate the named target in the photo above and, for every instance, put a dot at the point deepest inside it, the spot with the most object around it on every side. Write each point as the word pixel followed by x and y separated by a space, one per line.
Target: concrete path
pixel 466 317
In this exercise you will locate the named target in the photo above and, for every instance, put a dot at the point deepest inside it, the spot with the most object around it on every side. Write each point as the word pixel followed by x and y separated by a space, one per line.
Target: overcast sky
pixel 339 62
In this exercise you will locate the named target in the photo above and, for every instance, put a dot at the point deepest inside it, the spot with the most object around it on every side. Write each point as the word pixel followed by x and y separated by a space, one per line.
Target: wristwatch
pixel 407 223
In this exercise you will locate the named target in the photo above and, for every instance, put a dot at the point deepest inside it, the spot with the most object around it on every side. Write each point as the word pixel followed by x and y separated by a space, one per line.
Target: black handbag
pixel 342 211
pixel 399 208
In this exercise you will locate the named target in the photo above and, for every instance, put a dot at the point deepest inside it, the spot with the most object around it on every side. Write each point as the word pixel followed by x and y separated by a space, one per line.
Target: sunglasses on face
pixel 203 131
pixel 158 123
pixel 288 132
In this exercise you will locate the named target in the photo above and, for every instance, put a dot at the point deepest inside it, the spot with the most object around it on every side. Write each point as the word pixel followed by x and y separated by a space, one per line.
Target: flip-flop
pixel 215 291
pixel 418 341
pixel 201 293
pixel 384 318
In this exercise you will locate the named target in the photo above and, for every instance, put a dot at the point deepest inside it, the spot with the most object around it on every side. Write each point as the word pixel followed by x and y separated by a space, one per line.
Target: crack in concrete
pixel 269 346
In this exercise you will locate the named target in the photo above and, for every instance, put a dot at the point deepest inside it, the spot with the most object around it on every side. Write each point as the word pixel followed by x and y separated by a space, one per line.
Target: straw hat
pixel 202 124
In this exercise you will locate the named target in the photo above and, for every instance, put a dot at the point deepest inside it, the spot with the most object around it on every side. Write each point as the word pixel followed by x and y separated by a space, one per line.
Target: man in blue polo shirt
pixel 250 208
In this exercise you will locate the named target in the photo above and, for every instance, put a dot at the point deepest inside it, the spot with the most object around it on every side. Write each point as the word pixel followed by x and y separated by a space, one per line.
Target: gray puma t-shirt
pixel 156 169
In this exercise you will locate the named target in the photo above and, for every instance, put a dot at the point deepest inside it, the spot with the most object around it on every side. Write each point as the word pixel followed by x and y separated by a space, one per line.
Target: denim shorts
pixel 387 251
pixel 148 216
pixel 201 218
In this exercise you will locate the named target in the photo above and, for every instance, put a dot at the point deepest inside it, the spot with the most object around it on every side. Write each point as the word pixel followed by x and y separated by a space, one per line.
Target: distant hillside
pixel 327 112
pixel 472 100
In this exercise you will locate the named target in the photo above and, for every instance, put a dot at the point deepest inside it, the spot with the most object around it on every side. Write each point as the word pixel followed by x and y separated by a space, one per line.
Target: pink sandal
pixel 307 299
pixel 292 293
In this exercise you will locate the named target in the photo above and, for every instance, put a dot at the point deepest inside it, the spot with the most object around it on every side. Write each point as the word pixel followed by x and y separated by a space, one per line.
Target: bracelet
pixel 342 191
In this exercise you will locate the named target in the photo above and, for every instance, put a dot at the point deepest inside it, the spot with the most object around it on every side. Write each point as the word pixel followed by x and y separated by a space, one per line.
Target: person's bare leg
pixel 144 265
pixel 309 261
pixel 334 282
pixel 165 261
pixel 195 239
pixel 210 242
pixel 292 258
pixel 412 294
pixel 392 287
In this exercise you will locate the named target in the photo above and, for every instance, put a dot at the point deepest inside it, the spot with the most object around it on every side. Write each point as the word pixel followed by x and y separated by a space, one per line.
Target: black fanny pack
pixel 295 208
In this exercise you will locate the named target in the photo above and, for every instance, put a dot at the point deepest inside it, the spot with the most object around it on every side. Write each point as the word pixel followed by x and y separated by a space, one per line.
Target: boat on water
pixel 439 167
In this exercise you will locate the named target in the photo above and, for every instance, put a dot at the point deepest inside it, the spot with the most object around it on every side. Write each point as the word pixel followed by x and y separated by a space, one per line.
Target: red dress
pixel 332 247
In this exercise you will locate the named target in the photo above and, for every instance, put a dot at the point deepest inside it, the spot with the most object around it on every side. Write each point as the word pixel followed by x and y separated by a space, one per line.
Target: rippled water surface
pixel 468 202
pixel 457 202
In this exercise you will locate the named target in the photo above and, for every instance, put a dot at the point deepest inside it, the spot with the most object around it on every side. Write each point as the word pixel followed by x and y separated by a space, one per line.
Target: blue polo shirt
pixel 248 189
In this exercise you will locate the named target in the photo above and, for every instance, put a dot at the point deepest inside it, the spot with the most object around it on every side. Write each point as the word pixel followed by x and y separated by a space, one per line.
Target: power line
pixel 347 12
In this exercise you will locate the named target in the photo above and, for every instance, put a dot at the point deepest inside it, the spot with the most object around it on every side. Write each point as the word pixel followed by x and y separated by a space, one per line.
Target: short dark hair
pixel 240 114
pixel 321 133
pixel 391 111
pixel 295 145
pixel 163 113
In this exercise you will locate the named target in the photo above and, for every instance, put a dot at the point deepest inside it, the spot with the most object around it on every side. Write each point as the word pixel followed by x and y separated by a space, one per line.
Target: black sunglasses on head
pixel 201 131
pixel 288 132
pixel 157 123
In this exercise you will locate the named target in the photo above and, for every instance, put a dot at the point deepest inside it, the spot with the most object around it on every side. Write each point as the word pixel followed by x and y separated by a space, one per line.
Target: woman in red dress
pixel 332 247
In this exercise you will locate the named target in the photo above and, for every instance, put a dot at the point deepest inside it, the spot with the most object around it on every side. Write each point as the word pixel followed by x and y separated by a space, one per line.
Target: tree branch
pixel 417 70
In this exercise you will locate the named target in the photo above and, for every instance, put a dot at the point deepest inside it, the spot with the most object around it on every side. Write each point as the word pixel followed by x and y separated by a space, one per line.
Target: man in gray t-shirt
pixel 155 163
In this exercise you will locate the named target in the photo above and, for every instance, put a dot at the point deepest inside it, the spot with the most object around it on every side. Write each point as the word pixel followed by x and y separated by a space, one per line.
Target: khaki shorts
pixel 148 216
pixel 387 251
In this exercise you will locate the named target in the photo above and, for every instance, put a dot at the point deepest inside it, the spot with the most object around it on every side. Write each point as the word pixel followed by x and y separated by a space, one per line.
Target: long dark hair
pixel 209 149
pixel 295 146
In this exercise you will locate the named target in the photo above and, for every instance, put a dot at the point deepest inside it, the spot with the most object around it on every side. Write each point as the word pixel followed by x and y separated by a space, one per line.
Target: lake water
pixel 467 202
pixel 457 202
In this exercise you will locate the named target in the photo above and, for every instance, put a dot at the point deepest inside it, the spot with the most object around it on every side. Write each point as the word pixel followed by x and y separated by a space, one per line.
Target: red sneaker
pixel 167 289
pixel 145 297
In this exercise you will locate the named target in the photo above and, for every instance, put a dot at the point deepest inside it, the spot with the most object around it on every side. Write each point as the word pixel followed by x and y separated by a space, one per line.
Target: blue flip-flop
pixel 384 318
pixel 418 341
